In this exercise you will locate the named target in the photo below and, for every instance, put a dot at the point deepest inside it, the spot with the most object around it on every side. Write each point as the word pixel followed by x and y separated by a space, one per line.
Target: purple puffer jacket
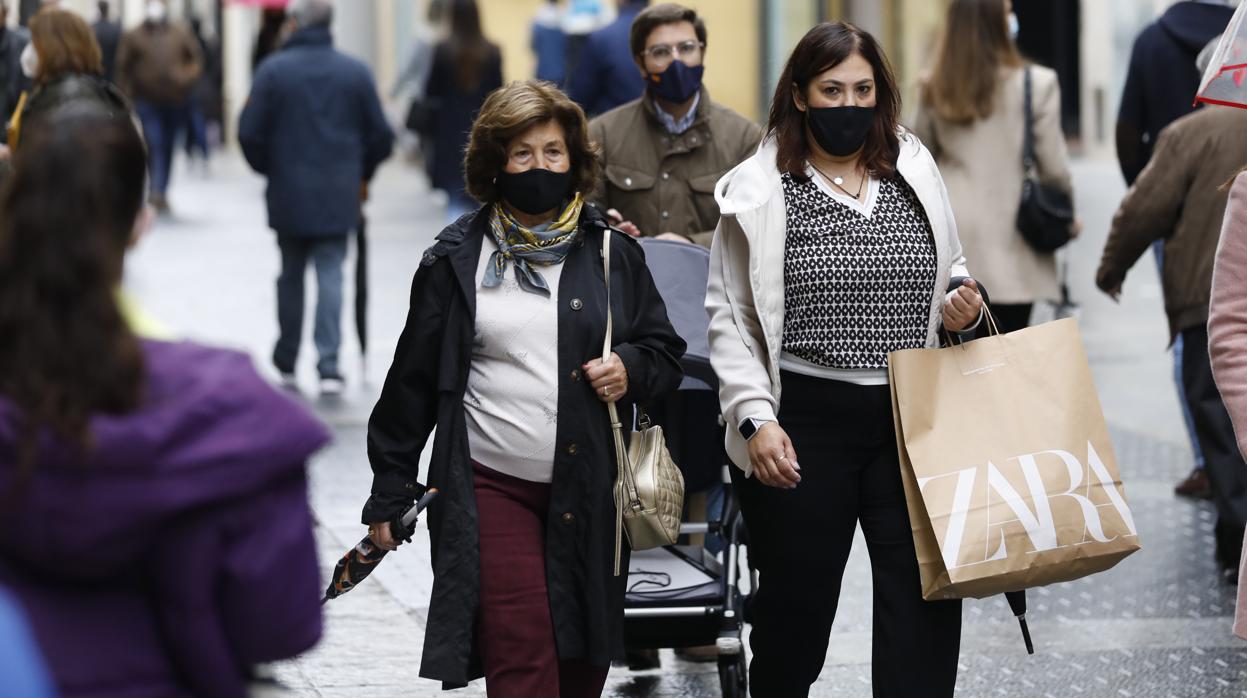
pixel 181 551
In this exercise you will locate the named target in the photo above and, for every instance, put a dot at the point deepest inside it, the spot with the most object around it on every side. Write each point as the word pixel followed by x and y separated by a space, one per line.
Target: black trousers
pixel 799 540
pixel 1013 317
pixel 1215 432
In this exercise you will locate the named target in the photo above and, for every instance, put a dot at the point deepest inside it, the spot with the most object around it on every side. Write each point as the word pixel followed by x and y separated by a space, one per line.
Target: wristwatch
pixel 750 426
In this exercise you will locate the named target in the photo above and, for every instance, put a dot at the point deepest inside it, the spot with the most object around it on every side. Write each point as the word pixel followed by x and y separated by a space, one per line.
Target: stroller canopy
pixel 681 272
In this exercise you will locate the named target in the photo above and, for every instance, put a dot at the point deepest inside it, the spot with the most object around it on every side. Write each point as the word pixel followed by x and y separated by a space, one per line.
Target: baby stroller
pixel 683 595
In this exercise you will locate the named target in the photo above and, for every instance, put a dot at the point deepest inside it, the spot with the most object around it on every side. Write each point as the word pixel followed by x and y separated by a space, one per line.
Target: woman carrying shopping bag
pixel 972 115
pixel 837 246
pixel 502 353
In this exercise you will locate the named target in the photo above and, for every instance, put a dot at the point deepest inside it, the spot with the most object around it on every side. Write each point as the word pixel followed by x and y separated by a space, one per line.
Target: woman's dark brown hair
pixel 510 111
pixel 822 48
pixel 975 46
pixel 67 214
pixel 469 49
pixel 65 45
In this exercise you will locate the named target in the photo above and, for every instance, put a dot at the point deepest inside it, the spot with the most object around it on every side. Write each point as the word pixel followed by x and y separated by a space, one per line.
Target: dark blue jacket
pixel 549 43
pixel 607 75
pixel 1162 79
pixel 314 126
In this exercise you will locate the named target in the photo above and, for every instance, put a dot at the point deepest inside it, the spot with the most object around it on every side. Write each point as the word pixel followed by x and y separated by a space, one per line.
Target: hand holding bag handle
pixel 649 490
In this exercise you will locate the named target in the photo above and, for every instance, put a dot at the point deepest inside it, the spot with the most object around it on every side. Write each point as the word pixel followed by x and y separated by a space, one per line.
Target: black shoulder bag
pixel 1045 214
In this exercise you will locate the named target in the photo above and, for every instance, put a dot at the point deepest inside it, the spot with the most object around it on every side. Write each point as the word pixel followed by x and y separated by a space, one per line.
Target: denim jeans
pixel 1158 248
pixel 327 255
pixel 161 123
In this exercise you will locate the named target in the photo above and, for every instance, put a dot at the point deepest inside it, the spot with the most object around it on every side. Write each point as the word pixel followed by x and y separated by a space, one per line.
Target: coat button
pixel 577 304
pixel 576 376
pixel 573 449
pixel 568 519
pixel 627 181
pixel 665 215
pixel 666 176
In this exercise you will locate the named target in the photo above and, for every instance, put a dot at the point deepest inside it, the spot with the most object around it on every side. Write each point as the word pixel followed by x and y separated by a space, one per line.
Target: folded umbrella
pixel 360 561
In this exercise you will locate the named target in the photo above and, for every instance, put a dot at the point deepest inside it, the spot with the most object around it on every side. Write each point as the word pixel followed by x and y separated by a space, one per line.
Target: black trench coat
pixel 425 388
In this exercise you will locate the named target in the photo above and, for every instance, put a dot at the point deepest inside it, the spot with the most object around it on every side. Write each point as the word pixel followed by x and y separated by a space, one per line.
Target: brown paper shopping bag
pixel 1008 469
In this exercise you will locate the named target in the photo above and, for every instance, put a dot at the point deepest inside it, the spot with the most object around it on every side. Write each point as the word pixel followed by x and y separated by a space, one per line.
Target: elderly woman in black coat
pixel 502 353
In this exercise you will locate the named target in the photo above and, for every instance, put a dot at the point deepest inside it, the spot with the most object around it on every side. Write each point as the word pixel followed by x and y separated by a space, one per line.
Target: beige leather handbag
pixel 649 492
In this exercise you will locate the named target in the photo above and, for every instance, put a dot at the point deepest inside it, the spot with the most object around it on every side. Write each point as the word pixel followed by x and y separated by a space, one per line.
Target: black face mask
pixel 534 191
pixel 840 131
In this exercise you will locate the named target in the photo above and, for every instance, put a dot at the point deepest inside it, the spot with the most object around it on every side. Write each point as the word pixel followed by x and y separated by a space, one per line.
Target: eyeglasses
pixel 664 52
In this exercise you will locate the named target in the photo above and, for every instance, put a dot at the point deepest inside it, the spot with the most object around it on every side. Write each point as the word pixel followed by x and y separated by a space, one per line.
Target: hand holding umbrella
pixel 359 562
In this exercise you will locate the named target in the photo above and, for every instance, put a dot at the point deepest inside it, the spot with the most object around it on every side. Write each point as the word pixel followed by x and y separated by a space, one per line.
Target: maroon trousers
pixel 514 629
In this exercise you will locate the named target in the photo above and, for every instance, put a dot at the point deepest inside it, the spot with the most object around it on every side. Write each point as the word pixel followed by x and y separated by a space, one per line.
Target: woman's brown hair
pixel 65 44
pixel 975 46
pixel 67 214
pixel 822 48
pixel 469 49
pixel 510 111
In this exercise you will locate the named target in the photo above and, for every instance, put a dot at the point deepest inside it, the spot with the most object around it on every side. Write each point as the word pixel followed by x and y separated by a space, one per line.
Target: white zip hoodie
pixel 745 295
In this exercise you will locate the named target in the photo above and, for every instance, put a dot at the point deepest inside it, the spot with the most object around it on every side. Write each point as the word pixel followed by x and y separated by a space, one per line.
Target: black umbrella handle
pixel 1017 603
pixel 403 527
pixel 1026 634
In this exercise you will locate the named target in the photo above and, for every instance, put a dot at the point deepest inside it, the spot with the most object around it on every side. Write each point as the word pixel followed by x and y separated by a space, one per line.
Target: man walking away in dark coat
pixel 605 76
pixel 12 81
pixel 1162 79
pixel 314 126
pixel 108 34
pixel 158 64
pixel 1160 84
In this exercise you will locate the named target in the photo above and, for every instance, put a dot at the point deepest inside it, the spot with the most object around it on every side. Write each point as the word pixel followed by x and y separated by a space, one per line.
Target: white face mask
pixel 156 11
pixel 1013 26
pixel 30 61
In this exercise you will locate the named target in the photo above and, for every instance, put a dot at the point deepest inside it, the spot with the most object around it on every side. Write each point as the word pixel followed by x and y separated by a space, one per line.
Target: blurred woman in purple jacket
pixel 154 521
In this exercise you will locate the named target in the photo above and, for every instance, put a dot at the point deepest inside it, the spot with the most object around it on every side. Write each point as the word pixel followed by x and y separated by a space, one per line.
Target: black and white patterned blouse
pixel 857 284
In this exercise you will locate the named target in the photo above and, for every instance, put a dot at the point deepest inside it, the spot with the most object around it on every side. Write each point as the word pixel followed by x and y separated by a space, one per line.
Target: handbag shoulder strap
pixel 1028 135
pixel 625 487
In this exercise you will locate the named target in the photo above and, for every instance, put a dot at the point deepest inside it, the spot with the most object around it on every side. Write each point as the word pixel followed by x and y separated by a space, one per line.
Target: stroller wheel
pixel 733 676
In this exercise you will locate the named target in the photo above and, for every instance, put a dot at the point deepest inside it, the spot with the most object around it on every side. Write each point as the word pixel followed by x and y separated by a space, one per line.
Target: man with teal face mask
pixel 664 152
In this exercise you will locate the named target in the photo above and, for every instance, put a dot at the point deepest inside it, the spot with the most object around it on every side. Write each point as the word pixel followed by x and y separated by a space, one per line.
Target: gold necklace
pixel 838 182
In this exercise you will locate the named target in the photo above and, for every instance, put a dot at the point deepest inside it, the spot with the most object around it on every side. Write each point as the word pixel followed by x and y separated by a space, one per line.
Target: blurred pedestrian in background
pixel 1178 199
pixel 523 534
pixel 203 97
pixel 1160 79
pixel 13 81
pixel 664 151
pixel 268 41
pixel 108 34
pixel 580 19
pixel 412 85
pixel 971 116
pixel 1162 76
pixel 158 64
pixel 604 75
pixel 314 127
pixel 66 67
pixel 837 247
pixel 21 664
pixel 156 527
pixel 466 68
pixel 549 43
